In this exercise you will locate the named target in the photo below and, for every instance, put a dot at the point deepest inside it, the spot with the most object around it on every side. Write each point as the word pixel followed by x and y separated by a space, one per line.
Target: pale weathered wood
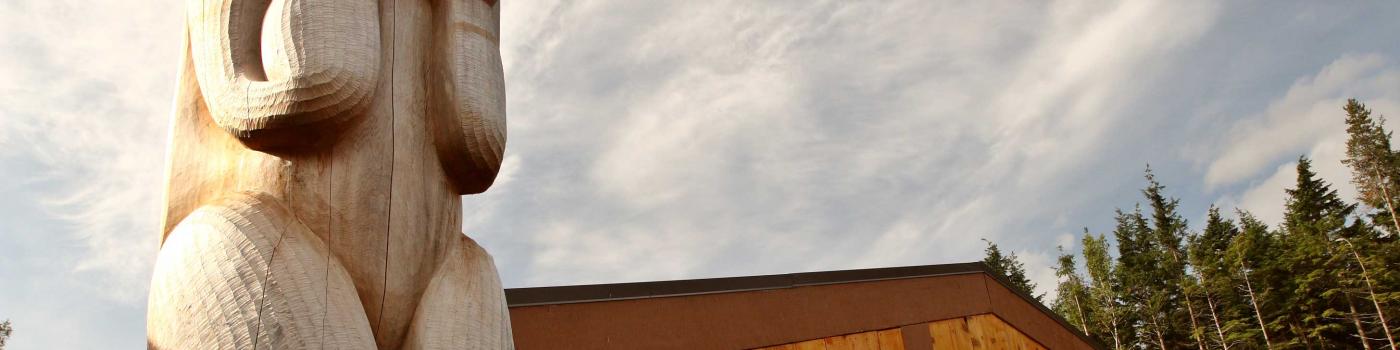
pixel 346 130
pixel 243 273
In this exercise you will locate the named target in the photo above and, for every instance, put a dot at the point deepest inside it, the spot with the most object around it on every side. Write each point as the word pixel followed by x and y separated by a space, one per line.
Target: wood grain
pixel 316 115
pixel 985 331
pixel 952 335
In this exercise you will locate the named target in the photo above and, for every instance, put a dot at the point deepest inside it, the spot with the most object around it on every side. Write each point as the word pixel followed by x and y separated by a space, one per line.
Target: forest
pixel 1326 277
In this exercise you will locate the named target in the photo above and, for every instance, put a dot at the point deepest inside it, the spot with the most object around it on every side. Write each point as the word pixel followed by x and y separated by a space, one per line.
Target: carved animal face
pixel 283 74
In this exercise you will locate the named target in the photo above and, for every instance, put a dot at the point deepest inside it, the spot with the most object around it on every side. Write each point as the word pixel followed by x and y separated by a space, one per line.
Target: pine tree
pixel 1011 268
pixel 1314 215
pixel 1141 281
pixel 1252 258
pixel 1168 232
pixel 1207 256
pixel 1358 281
pixel 1374 166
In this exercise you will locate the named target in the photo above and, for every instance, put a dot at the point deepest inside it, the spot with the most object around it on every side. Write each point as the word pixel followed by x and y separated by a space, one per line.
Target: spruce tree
pixel 1009 267
pixel 1216 287
pixel 1374 167
pixel 1141 281
pixel 1176 310
pixel 1314 215
pixel 1252 259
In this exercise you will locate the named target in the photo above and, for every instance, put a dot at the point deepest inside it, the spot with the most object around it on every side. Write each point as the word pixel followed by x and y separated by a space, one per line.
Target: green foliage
pixel 1224 309
pixel 1323 279
pixel 1107 313
pixel 1071 294
pixel 1252 262
pixel 1314 215
pixel 1374 165
pixel 1011 268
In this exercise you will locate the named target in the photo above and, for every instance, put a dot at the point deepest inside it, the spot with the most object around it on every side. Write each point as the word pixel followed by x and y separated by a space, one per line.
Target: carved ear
pixel 466 92
pixel 274 72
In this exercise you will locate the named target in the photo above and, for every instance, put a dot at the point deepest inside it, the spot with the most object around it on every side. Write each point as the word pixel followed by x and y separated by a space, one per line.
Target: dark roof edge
pixel 535 296
pixel 517 297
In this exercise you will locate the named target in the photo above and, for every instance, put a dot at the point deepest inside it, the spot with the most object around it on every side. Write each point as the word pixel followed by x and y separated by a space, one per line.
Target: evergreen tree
pixel 1374 167
pixel 1141 283
pixel 1011 268
pixel 1175 307
pixel 1216 287
pixel 1358 281
pixel 1314 215
pixel 1252 259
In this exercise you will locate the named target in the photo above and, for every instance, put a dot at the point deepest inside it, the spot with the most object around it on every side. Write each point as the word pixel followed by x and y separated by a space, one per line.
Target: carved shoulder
pixel 243 272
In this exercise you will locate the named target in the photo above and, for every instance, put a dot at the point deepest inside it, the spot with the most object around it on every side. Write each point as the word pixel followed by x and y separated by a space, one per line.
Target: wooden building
pixel 953 306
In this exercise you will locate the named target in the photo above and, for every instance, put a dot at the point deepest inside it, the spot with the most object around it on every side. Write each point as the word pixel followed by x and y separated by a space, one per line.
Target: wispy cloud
pixel 1308 113
pixel 86 100
pixel 744 137
pixel 659 140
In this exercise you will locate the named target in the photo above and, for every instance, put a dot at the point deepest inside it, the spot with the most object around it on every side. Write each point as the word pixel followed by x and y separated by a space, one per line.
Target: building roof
pixel 949 282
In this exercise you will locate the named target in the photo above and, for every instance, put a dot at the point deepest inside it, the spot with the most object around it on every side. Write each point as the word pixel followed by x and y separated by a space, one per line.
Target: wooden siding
pixel 976 332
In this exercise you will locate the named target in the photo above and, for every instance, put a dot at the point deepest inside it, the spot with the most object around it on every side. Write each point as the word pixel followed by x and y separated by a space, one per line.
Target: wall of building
pixel 756 312
pixel 986 331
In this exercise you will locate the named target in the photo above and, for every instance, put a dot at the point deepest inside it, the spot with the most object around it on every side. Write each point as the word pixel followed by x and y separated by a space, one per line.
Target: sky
pixel 656 140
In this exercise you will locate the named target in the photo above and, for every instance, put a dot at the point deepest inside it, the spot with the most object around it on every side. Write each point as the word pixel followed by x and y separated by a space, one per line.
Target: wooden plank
pixel 864 341
pixel 917 337
pixel 890 339
pixel 839 343
pixel 983 335
pixel 951 335
pixel 994 333
pixel 816 344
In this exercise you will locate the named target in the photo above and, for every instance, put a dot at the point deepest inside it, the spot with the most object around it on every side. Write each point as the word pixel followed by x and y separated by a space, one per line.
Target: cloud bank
pixel 665 140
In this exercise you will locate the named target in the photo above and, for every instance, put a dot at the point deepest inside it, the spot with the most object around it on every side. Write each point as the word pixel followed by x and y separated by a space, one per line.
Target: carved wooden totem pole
pixel 318 154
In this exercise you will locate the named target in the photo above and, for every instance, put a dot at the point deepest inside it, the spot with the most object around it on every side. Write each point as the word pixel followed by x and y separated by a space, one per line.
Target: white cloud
pixel 1266 199
pixel 1307 120
pixel 659 140
pixel 90 109
pixel 844 123
pixel 1305 116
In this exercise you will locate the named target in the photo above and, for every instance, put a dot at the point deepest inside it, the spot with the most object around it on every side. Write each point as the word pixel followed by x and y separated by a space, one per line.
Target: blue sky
pixel 683 139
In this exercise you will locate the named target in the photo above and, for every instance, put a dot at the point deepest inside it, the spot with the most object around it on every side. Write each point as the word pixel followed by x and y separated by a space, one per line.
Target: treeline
pixel 1327 277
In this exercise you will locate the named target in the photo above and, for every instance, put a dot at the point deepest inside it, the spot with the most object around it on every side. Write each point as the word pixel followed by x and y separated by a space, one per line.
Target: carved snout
pixel 279 73
pixel 466 92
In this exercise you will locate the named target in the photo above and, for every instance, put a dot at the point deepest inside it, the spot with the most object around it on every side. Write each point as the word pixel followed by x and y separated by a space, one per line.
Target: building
pixel 953 306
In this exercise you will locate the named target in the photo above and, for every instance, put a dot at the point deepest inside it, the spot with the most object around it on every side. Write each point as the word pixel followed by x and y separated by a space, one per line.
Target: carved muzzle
pixel 282 73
